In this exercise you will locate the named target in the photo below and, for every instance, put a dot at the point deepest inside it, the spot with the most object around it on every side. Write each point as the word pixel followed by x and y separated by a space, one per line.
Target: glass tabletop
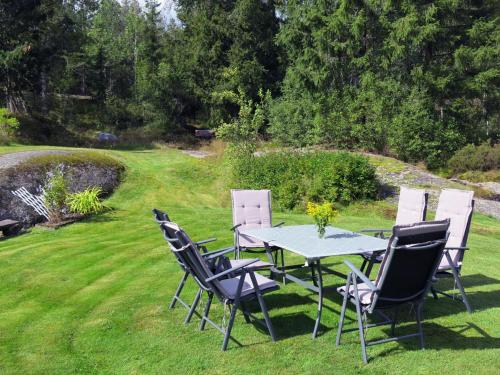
pixel 304 240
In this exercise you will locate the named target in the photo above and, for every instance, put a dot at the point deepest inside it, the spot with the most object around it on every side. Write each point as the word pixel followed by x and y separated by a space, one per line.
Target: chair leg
pixel 458 281
pixel 245 312
pixel 230 325
pixel 363 265
pixel 263 307
pixel 418 313
pixel 193 306
pixel 393 322
pixel 179 290
pixel 434 294
pixel 342 312
pixel 360 322
pixel 207 310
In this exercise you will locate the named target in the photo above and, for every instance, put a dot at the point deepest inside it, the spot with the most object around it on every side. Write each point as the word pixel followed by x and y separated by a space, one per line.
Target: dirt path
pixel 11 160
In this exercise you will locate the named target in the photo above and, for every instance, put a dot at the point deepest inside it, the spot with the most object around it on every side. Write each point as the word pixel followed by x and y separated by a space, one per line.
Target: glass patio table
pixel 303 240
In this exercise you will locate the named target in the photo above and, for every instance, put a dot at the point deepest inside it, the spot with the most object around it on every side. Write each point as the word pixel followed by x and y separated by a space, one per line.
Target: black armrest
pixel 279 224
pixel 236 226
pixel 231 270
pixel 217 253
pixel 362 276
pixel 206 241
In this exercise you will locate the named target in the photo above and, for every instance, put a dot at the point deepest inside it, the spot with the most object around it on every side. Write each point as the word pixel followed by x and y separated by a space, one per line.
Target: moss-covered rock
pixel 81 170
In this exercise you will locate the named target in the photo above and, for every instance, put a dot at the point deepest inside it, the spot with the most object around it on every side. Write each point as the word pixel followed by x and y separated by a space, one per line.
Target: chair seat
pixel 231 285
pixel 256 265
pixel 365 294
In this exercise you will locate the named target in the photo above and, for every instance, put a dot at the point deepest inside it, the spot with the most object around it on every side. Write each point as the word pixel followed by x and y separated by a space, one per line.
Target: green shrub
pixel 8 125
pixel 86 202
pixel 296 178
pixel 55 194
pixel 476 158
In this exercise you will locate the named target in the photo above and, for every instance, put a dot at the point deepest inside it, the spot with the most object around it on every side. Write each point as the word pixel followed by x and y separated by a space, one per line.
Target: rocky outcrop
pixel 83 171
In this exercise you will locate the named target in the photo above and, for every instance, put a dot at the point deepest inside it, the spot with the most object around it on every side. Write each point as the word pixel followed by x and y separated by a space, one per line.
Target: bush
pixel 86 202
pixel 8 125
pixel 55 193
pixel 296 178
pixel 476 158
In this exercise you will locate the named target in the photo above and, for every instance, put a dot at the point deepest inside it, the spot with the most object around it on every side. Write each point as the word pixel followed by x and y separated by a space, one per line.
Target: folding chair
pixel 405 276
pixel 412 208
pixel 458 206
pixel 228 286
pixel 169 236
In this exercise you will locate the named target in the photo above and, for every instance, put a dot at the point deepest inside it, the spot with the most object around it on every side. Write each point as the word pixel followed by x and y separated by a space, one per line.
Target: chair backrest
pixel 251 209
pixel 412 257
pixel 160 216
pixel 458 206
pixel 194 262
pixel 412 206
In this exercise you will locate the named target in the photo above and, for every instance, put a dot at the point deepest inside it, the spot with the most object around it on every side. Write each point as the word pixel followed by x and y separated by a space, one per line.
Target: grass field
pixel 92 297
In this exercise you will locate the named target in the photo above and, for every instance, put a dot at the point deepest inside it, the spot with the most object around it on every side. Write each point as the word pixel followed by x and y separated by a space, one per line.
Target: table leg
pixel 320 298
pixel 272 260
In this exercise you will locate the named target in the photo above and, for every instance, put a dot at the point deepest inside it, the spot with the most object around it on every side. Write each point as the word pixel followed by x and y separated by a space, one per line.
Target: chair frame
pixel 455 271
pixel 369 261
pixel 209 285
pixel 355 275
pixel 162 217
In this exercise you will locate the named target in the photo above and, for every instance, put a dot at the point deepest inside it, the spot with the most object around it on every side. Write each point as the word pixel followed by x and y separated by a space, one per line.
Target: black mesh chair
pixel 405 276
pixel 234 286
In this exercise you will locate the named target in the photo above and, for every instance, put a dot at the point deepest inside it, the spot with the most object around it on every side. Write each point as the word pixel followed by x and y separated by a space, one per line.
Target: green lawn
pixel 92 297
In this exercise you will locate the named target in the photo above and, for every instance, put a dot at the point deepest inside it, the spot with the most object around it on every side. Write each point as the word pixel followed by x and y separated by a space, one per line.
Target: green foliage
pixel 55 194
pixel 242 132
pixel 296 178
pixel 50 161
pixel 8 125
pixel 476 158
pixel 389 77
pixel 86 202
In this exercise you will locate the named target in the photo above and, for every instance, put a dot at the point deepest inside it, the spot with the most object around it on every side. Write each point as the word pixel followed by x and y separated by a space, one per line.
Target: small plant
pixel 322 215
pixel 86 202
pixel 55 194
pixel 8 125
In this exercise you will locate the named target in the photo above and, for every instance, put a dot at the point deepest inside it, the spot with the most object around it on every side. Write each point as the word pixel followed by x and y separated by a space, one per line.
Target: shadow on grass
pixel 436 337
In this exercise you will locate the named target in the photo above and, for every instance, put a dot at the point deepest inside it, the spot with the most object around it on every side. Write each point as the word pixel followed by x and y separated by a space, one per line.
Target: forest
pixel 417 80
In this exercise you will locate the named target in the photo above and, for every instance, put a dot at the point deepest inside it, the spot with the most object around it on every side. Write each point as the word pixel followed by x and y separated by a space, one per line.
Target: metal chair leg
pixel 246 314
pixel 342 312
pixel 418 313
pixel 193 306
pixel 179 290
pixel 360 321
pixel 207 310
pixel 263 307
pixel 227 335
pixel 393 322
pixel 458 281
pixel 434 294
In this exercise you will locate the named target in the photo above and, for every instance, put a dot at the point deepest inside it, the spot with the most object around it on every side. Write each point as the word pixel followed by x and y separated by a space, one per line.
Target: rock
pixel 32 177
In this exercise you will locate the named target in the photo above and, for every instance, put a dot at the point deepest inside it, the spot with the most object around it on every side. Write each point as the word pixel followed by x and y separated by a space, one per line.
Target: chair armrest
pixel 231 270
pixel 205 241
pixel 362 276
pixel 236 226
pixel 279 224
pixel 456 248
pixel 370 230
pixel 217 253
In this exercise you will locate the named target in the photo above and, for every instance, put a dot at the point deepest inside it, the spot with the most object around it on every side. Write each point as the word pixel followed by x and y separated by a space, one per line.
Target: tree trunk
pixel 44 96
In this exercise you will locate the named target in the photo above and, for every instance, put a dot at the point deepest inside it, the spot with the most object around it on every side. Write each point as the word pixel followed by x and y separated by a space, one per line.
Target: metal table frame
pixel 313 262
